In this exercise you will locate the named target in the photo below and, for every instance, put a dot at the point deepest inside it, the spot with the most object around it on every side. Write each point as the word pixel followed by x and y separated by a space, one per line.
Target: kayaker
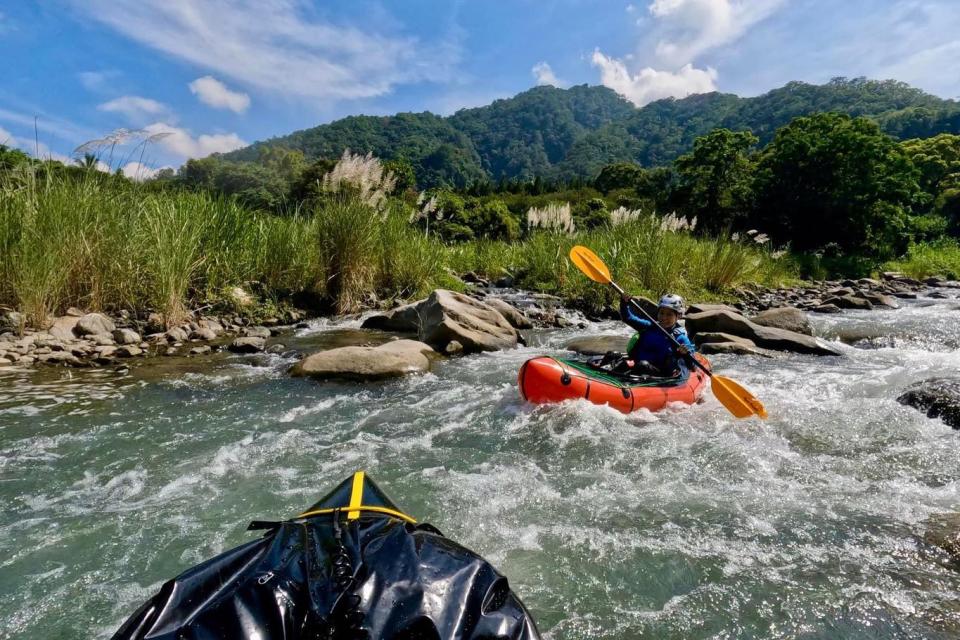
pixel 650 352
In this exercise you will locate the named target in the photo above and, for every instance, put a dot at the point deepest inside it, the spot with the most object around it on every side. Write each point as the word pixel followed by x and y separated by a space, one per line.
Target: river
pixel 682 524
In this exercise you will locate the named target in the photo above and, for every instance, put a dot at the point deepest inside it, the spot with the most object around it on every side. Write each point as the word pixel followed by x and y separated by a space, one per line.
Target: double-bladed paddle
pixel 740 402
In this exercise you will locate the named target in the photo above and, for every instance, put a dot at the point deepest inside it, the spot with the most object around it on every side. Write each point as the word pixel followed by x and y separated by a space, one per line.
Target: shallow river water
pixel 682 524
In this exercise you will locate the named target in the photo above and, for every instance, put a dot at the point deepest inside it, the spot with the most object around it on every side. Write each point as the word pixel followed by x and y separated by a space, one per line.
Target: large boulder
pixel 126 336
pixel 937 397
pixel 513 315
pixel 710 343
pixel 881 300
pixel 248 344
pixel 789 318
pixel 765 337
pixel 850 301
pixel 390 360
pixel 63 328
pixel 597 345
pixel 446 316
pixel 700 307
pixel 94 324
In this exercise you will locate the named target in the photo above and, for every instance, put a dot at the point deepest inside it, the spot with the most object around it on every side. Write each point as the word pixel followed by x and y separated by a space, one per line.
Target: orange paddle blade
pixel 591 265
pixel 740 402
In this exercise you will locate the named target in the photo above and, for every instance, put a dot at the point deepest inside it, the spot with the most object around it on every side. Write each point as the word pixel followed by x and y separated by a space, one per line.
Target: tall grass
pixel 102 243
pixel 924 260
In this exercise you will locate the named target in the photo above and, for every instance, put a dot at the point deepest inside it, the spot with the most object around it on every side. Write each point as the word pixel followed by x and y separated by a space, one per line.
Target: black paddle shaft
pixel 637 306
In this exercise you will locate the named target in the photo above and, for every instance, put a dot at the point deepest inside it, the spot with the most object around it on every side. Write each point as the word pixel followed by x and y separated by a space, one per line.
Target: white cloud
pixel 139 172
pixel 135 108
pixel 544 75
pixel 688 28
pixel 214 93
pixel 97 80
pixel 649 84
pixel 179 141
pixel 7 139
pixel 280 46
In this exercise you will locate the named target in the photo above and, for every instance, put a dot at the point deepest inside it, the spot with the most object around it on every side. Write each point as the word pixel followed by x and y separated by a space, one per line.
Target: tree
pixel 830 178
pixel 620 175
pixel 714 179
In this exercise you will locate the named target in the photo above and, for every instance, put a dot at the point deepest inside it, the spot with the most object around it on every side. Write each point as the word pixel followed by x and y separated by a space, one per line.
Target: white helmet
pixel 672 302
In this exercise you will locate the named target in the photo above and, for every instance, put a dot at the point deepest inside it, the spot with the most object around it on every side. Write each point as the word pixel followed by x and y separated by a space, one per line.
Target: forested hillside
pixel 563 133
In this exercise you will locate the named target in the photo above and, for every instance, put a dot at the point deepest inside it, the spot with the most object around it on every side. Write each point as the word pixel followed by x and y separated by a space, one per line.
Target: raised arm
pixel 628 315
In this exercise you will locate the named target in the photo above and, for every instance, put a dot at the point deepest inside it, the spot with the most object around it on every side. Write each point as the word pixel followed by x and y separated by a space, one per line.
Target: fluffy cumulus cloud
pixel 135 108
pixel 139 172
pixel 544 75
pixel 214 93
pixel 688 28
pixel 649 84
pixel 180 143
pixel 682 30
pixel 278 46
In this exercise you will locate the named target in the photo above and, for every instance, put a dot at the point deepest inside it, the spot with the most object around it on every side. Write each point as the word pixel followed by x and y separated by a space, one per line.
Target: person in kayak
pixel 649 352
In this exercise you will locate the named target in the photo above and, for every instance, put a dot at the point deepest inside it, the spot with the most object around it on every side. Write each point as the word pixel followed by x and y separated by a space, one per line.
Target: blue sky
pixel 199 76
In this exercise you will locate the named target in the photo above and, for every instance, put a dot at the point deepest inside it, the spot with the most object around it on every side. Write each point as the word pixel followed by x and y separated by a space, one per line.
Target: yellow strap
pixel 356 496
pixel 369 509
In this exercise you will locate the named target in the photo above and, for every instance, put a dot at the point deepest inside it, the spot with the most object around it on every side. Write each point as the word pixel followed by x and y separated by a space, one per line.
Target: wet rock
pixel 471 278
pixel 938 295
pixel 446 316
pixel 94 324
pixel 734 348
pixel 597 345
pixel 8 359
pixel 59 358
pixel 202 350
pixel 904 295
pixel 453 348
pixel 277 349
pixel 764 337
pixel 248 344
pixel 390 360
pixel 505 282
pixel 881 300
pixel 934 281
pixel 513 315
pixel 256 332
pixel 849 301
pixel 937 397
pixel 719 337
pixel 126 336
pixel 203 333
pixel 789 318
pixel 943 530
pixel 128 351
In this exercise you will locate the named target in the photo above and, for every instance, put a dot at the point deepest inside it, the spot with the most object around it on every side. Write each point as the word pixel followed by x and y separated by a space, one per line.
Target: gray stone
pixel 61 358
pixel 788 318
pixel 513 315
pixel 126 336
pixel 203 333
pixel 389 360
pixel 453 348
pixel 597 345
pixel 700 307
pixel 733 348
pixel 904 295
pixel 881 300
pixel 63 328
pixel 128 351
pixel 201 350
pixel 447 315
pixel 248 344
pixel 849 302
pixel 94 324
pixel 177 334
pixel 256 332
pixel 212 325
pixel 718 337
pixel 101 340
pixel 764 337
pixel 937 397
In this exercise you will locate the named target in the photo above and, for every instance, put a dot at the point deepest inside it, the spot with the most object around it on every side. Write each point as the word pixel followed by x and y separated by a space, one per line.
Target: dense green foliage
pixel 564 133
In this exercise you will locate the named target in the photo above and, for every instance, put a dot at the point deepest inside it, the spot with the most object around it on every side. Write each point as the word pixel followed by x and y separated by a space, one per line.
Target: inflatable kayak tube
pixel 545 380
pixel 352 566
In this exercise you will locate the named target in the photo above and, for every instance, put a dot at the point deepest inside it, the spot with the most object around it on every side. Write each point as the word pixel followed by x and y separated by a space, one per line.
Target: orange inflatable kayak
pixel 545 379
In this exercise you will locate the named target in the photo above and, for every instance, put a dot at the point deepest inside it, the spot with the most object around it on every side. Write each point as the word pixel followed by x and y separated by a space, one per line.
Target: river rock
pixel 61 358
pixel 203 333
pixel 177 334
pixel 734 348
pixel 764 337
pixel 248 344
pixel 789 318
pixel 597 345
pixel 94 324
pixel 447 315
pixel 700 307
pixel 513 315
pixel 212 325
pixel 827 308
pixel 128 351
pixel 937 397
pixel 126 336
pixel 256 332
pixel 389 360
pixel 943 530
pixel 201 350
pixel 849 301
pixel 881 300
pixel 63 328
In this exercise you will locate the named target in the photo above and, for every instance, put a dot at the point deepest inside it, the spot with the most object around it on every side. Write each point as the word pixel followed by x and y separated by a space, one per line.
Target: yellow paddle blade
pixel 736 399
pixel 588 262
